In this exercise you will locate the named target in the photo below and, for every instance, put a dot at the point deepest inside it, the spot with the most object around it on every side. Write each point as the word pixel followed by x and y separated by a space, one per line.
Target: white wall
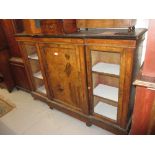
pixel 143 23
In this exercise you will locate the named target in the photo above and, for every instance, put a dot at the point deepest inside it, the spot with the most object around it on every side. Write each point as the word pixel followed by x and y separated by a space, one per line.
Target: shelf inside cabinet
pixel 33 56
pixel 34 65
pixel 110 102
pixel 38 75
pixel 106 110
pixel 107 92
pixel 107 68
pixel 41 89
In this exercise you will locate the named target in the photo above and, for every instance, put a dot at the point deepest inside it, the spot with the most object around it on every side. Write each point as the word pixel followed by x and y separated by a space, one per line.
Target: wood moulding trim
pixel 111 42
pixel 98 42
pixel 31 39
pixel 109 45
pixel 144 81
pixel 39 96
pixel 21 88
pixel 51 40
pixel 60 40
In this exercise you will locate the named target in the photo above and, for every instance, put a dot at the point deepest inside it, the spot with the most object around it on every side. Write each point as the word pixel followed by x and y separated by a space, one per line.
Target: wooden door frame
pixel 103 48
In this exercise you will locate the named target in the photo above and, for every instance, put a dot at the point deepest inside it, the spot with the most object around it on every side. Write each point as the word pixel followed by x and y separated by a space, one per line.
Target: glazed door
pixel 105 80
pixel 29 51
pixel 65 70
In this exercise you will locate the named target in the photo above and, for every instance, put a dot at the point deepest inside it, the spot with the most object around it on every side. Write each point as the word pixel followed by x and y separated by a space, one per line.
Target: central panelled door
pixel 65 70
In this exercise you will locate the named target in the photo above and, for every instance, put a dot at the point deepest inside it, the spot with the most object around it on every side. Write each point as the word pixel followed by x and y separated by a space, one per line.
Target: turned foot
pixel 10 91
pixel 88 124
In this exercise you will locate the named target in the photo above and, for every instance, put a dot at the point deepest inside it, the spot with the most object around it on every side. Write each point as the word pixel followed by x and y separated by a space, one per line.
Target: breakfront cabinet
pixel 87 78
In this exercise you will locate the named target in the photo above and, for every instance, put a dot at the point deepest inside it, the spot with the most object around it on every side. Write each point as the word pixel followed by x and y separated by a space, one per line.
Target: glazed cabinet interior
pixel 105 75
pixel 33 66
pixel 89 79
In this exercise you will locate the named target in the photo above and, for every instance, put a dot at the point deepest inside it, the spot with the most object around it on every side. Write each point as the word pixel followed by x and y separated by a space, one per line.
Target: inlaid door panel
pixel 64 69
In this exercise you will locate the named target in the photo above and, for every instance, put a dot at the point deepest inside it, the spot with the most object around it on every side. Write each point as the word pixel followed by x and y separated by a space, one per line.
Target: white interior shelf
pixel 107 92
pixel 33 56
pixel 106 110
pixel 42 89
pixel 38 75
pixel 107 68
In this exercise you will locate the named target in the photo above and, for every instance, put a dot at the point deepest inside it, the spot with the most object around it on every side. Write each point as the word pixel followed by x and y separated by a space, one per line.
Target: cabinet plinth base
pixel 82 117
pixel 114 128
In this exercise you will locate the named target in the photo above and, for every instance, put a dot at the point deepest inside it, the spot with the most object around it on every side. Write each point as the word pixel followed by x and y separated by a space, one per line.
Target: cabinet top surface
pixel 94 33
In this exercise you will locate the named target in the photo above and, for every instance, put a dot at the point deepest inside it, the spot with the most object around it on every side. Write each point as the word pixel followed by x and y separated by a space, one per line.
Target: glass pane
pixel 35 68
pixel 105 76
pixel 40 87
pixel 30 49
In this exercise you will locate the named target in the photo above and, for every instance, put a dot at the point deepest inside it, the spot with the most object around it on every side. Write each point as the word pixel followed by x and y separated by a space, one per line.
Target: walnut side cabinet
pixel 89 79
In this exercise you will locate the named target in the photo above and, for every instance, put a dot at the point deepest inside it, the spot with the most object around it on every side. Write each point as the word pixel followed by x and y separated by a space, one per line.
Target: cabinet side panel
pixel 129 55
pixel 20 76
